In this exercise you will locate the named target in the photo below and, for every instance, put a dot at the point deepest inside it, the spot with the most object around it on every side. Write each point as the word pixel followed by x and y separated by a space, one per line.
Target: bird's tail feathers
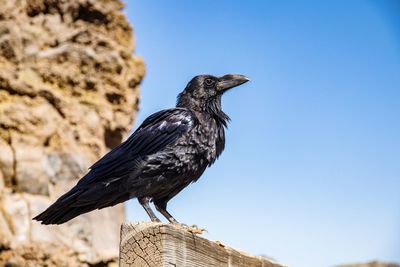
pixel 78 201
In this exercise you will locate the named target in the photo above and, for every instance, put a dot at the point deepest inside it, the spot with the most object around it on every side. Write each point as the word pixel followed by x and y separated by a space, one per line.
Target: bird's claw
pixel 194 229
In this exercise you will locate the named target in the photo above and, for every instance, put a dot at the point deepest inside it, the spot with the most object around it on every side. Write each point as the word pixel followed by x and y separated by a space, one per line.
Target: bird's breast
pixel 206 141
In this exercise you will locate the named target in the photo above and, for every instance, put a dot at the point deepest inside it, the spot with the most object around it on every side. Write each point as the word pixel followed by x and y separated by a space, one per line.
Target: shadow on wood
pixel 157 244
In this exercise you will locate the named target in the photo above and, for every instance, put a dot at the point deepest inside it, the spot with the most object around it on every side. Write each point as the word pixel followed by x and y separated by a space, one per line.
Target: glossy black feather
pixel 157 131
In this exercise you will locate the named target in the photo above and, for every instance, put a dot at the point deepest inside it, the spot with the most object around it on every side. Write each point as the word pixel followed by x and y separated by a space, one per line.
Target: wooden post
pixel 161 245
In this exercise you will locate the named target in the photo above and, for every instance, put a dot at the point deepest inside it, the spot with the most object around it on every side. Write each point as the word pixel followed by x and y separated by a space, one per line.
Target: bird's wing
pixel 155 133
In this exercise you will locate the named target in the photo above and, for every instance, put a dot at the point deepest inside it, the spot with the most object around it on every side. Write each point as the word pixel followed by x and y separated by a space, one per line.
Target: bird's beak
pixel 231 80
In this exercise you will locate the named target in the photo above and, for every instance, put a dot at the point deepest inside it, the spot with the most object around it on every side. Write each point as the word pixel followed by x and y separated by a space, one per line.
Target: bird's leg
pixel 144 201
pixel 161 206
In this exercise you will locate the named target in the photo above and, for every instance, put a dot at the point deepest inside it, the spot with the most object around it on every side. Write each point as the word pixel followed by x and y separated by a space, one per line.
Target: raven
pixel 170 150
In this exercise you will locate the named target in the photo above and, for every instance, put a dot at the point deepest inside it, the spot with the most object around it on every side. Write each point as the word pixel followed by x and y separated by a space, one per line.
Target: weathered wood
pixel 161 245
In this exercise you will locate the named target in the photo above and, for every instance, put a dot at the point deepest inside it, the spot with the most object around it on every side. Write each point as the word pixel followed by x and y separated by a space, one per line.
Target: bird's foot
pixel 193 229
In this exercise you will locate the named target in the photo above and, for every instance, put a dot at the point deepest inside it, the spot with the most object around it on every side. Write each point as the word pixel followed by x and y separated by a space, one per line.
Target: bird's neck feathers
pixel 211 107
pixel 214 108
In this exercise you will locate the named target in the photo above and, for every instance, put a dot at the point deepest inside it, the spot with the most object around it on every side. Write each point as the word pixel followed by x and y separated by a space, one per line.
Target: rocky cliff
pixel 68 93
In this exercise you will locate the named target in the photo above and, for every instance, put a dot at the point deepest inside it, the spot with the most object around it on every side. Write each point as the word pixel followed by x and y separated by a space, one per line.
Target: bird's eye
pixel 209 82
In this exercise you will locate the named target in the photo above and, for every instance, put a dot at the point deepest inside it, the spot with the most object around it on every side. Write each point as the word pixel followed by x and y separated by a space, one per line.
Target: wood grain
pixel 164 245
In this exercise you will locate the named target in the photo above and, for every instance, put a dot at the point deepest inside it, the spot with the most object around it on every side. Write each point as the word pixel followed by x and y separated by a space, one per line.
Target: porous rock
pixel 68 93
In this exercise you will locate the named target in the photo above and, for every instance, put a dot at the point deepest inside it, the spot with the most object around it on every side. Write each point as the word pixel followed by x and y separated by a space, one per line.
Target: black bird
pixel 170 150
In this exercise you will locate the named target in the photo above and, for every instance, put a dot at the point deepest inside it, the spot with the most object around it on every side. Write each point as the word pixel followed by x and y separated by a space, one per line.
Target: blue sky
pixel 311 171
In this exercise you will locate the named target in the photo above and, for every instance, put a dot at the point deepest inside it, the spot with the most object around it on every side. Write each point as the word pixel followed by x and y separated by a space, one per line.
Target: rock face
pixel 68 93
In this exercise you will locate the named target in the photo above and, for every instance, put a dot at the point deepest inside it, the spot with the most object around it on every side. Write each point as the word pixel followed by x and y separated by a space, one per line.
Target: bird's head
pixel 205 90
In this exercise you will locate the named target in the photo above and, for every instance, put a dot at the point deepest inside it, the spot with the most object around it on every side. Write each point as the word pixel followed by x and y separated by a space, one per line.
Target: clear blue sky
pixel 311 171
